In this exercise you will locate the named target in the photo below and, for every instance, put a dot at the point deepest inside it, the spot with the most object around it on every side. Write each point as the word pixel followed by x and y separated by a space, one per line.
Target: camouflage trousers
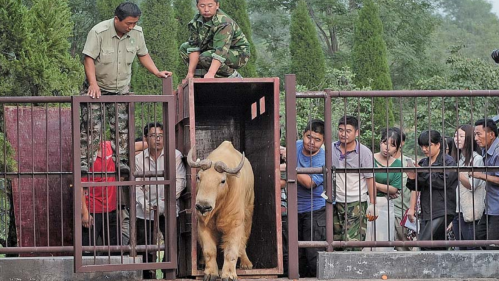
pixel 95 121
pixel 236 58
pixel 353 227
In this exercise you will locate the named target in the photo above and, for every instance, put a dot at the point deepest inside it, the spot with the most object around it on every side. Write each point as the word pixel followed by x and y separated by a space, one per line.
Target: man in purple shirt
pixel 486 138
pixel 353 190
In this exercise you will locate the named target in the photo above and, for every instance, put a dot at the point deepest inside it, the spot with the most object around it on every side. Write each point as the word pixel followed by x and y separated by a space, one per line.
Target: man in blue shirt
pixel 486 138
pixel 311 205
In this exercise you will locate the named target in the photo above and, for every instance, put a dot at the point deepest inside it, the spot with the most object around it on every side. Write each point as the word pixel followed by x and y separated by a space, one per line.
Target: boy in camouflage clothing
pixel 216 46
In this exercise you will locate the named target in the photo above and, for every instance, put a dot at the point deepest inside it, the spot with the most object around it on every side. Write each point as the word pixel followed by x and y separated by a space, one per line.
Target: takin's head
pixel 211 182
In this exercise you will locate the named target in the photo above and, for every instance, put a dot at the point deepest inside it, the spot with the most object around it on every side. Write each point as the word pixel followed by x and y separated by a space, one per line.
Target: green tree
pixel 49 68
pixel 13 35
pixel 105 8
pixel 469 25
pixel 163 48
pixel 408 27
pixel 307 58
pixel 161 43
pixel 271 37
pixel 84 16
pixel 183 14
pixel 237 10
pixel 370 63
pixel 37 61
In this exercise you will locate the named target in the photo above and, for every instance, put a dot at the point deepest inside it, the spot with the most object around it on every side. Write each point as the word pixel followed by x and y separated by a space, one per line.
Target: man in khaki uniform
pixel 109 51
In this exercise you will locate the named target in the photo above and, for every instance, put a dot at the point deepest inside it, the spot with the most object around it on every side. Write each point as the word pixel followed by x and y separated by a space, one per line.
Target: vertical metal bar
pixel 47 169
pixel 374 224
pixel 77 235
pixel 33 176
pixel 291 134
pixel 444 155
pixel 106 230
pixel 60 167
pixel 329 163
pixel 418 217
pixel 132 231
pixel 19 189
pixel 169 115
pixel 131 142
pixel 6 198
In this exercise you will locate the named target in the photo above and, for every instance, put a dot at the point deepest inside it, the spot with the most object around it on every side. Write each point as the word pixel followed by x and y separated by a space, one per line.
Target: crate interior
pixel 243 113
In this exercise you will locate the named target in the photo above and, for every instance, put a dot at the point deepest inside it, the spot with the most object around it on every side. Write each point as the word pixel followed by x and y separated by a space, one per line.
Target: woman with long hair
pixel 388 185
pixel 470 192
pixel 437 189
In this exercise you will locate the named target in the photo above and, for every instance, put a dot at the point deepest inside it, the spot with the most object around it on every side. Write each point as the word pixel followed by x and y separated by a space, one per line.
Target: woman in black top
pixel 437 189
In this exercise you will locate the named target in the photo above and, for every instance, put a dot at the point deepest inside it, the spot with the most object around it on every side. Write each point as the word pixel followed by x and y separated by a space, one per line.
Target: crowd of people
pixel 382 205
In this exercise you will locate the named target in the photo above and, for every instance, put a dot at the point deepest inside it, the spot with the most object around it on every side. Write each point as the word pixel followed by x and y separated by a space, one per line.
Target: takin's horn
pixel 221 167
pixel 203 164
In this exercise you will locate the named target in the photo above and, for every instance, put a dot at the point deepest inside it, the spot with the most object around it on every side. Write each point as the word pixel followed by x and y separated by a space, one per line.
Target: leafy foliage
pixel 84 16
pixel 237 10
pixel 37 61
pixel 407 27
pixel 462 74
pixel 307 58
pixel 163 48
pixel 105 8
pixel 161 43
pixel 370 65
pixel 183 14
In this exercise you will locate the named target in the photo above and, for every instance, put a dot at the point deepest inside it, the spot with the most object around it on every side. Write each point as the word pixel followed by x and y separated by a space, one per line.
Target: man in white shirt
pixel 151 198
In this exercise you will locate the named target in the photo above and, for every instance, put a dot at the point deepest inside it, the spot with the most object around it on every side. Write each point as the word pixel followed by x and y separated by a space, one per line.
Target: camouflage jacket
pixel 220 34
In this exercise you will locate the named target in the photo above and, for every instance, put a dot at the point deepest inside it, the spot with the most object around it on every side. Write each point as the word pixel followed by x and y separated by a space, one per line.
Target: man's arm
pixel 193 62
pixel 485 177
pixel 93 88
pixel 147 62
pixel 86 218
pixel 140 146
pixel 371 189
pixel 306 181
pixel 215 65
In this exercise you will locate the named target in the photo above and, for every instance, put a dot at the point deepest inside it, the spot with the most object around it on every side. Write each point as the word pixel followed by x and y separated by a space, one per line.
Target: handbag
pixel 472 202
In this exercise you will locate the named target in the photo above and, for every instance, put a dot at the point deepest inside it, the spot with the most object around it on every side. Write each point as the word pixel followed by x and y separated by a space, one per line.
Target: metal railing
pixel 42 179
pixel 443 111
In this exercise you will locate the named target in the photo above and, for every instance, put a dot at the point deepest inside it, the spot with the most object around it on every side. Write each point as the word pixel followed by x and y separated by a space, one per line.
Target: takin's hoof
pixel 246 266
pixel 210 277
pixel 229 279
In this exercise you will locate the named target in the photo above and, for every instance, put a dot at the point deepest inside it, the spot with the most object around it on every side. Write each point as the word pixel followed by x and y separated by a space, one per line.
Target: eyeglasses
pixel 154 136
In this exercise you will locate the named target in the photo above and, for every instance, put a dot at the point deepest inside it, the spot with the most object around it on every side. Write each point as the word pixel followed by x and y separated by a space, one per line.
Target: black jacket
pixel 441 187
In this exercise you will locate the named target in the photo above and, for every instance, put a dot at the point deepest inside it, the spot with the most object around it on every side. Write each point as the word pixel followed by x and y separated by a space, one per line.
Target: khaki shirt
pixel 113 55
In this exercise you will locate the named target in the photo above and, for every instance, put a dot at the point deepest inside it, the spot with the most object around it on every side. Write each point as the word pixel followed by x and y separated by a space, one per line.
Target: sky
pixel 495 6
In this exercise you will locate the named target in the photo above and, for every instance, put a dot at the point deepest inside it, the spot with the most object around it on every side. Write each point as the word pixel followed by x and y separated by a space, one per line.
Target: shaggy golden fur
pixel 229 222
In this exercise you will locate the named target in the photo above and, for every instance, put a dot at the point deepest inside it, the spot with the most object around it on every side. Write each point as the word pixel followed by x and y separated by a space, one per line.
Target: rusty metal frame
pixel 170 247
